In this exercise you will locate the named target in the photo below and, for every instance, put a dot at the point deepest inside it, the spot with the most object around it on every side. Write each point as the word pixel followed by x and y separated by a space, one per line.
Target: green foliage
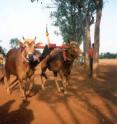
pixel 66 18
pixel 108 55
pixel 33 1
pixel 14 42
pixel 2 51
pixel 70 16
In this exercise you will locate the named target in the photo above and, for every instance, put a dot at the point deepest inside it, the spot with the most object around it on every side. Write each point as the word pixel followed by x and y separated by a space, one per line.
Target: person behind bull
pixel 91 57
pixel 35 58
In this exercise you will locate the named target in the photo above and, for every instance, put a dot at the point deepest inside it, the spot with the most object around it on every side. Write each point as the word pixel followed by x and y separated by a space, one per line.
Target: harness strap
pixel 64 55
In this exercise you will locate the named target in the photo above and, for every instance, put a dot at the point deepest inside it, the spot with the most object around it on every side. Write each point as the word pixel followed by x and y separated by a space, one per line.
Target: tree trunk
pixel 86 44
pixel 97 41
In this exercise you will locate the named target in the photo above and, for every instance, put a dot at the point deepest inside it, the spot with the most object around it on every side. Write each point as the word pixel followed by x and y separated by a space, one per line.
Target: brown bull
pixel 17 64
pixel 60 62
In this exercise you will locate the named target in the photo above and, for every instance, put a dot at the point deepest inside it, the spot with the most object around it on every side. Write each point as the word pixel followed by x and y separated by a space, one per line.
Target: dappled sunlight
pixel 88 101
pixel 81 78
pixel 108 61
pixel 101 79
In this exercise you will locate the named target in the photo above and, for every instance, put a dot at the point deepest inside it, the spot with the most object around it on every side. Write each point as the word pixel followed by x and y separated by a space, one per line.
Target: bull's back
pixel 12 61
pixel 55 62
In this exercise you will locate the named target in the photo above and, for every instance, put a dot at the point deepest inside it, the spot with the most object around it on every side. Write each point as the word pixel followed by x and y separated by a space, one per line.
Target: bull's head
pixel 28 46
pixel 74 49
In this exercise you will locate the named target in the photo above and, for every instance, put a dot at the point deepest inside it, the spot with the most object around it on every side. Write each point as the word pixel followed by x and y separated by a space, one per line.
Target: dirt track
pixel 88 101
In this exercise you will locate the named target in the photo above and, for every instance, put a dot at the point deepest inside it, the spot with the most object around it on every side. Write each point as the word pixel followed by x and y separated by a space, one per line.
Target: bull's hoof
pixel 65 92
pixel 62 89
pixel 43 87
pixel 59 90
pixel 29 94
pixel 9 91
pixel 24 103
pixel 24 98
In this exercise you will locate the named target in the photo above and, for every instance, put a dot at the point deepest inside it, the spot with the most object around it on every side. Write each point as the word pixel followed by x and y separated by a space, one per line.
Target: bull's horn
pixel 74 42
pixel 35 38
pixel 23 38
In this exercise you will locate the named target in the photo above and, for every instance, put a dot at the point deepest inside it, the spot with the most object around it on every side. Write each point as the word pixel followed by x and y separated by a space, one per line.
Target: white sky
pixel 22 18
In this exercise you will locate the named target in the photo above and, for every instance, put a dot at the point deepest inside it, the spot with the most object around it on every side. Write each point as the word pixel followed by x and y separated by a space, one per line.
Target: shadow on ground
pixel 95 97
pixel 19 116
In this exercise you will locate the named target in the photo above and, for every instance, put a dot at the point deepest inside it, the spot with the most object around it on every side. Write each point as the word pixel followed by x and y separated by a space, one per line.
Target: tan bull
pixel 17 64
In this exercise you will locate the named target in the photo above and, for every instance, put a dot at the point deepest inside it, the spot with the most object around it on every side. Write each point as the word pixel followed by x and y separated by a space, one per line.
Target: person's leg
pixel 91 67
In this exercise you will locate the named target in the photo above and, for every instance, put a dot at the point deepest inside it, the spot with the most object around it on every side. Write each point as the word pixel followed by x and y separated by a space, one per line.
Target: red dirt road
pixel 88 101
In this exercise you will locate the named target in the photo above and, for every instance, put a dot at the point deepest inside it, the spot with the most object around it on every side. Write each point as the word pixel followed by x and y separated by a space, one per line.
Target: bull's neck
pixel 70 57
pixel 24 58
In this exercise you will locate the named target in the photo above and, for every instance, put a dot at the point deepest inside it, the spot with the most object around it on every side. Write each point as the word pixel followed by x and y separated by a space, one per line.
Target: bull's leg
pixel 56 81
pixel 65 84
pixel 62 78
pixel 43 74
pixel 42 83
pixel 14 83
pixel 22 90
pixel 58 87
pixel 64 81
pixel 31 83
pixel 7 82
pixel 68 76
pixel 67 80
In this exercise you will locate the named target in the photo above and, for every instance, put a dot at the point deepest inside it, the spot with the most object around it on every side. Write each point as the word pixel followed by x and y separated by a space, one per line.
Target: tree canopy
pixel 71 17
pixel 14 42
pixel 2 51
pixel 66 18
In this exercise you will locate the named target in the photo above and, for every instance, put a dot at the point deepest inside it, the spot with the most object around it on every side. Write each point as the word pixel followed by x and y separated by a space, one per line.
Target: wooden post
pixel 47 35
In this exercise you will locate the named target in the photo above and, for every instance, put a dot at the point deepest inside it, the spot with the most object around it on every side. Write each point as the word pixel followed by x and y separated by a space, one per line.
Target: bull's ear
pixel 21 45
